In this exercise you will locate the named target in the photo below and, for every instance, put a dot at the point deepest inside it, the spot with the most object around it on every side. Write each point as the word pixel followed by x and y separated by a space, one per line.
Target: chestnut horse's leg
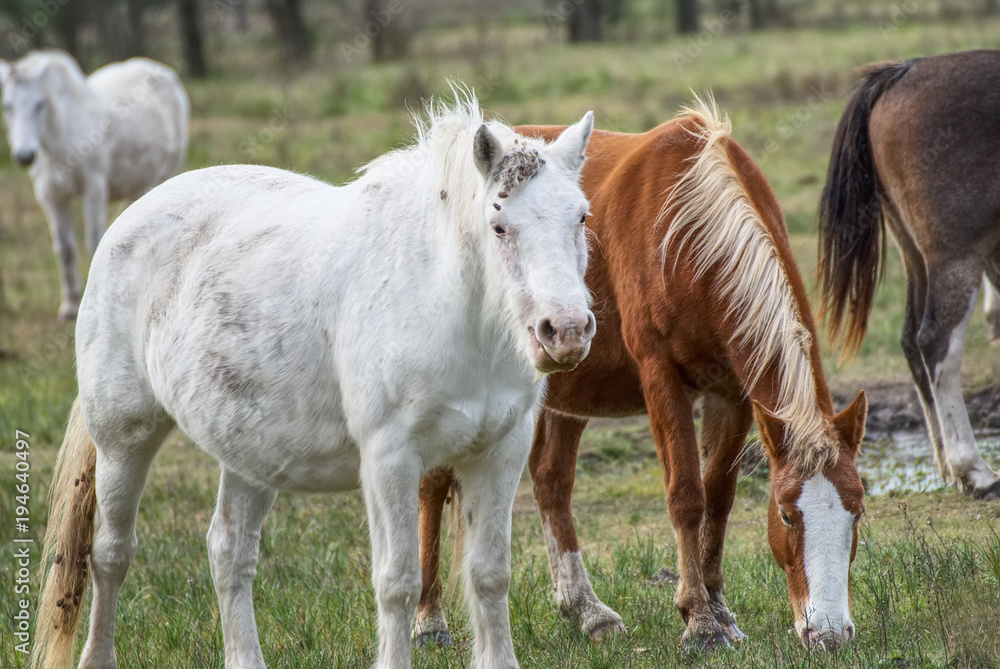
pixel 431 624
pixel 725 423
pixel 672 423
pixel 553 468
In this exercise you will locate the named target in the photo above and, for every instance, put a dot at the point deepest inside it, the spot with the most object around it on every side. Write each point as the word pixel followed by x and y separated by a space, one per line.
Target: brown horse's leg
pixel 431 624
pixel 916 300
pixel 672 423
pixel 725 424
pixel 952 291
pixel 553 467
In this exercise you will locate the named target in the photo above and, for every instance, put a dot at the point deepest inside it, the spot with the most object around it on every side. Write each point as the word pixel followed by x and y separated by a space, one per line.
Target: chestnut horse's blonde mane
pixel 716 216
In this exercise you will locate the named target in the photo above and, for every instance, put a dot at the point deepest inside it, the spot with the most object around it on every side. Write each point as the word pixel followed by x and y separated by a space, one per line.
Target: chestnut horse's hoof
pixel 704 641
pixel 434 638
pixel 606 630
pixel 735 634
pixel 601 622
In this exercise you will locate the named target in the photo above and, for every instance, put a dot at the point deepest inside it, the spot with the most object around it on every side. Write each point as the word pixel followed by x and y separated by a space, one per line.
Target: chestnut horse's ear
pixel 850 423
pixel 772 431
pixel 486 150
pixel 570 146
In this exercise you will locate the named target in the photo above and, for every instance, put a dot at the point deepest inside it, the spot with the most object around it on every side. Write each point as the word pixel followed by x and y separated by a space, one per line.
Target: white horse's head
pixel 535 216
pixel 26 99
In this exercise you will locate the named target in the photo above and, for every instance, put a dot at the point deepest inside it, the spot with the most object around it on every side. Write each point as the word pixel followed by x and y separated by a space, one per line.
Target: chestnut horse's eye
pixel 499 230
pixel 786 520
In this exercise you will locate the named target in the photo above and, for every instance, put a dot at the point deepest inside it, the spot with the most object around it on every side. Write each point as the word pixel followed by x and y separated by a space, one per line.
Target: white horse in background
pixel 991 309
pixel 112 135
pixel 310 338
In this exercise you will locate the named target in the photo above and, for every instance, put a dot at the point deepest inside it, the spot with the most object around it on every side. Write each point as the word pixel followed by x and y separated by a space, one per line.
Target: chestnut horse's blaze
pixel 697 293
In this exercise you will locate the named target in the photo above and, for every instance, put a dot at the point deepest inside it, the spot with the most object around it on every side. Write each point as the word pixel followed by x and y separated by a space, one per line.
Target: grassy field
pixel 926 584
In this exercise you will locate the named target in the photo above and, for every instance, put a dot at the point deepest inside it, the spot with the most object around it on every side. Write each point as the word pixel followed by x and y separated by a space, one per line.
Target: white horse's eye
pixel 499 230
pixel 583 220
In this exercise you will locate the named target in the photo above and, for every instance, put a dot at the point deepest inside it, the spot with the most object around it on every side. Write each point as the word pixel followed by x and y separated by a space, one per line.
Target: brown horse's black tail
pixel 851 228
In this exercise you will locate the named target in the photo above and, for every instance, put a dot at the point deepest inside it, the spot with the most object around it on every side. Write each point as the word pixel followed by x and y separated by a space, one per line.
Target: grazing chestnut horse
pixel 915 148
pixel 697 293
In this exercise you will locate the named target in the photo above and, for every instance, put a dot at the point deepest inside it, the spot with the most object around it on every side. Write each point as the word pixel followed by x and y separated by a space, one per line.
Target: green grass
pixel 926 582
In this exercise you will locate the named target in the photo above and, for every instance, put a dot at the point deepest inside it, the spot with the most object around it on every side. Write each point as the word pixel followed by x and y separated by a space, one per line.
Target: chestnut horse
pixel 697 293
pixel 914 149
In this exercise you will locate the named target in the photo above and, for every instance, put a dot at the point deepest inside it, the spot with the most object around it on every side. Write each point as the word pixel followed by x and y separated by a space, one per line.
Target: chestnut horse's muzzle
pixel 826 638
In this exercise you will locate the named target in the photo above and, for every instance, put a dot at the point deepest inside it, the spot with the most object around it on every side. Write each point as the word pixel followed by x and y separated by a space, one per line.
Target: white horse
pixel 991 309
pixel 311 338
pixel 114 134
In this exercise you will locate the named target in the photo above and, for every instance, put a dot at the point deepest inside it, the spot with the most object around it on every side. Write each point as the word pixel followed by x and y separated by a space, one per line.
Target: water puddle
pixel 904 461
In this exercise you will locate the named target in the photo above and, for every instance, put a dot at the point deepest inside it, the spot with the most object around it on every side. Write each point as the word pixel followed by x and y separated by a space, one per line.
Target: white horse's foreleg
pixel 120 481
pixel 390 479
pixel 64 244
pixel 95 210
pixel 233 548
pixel 488 488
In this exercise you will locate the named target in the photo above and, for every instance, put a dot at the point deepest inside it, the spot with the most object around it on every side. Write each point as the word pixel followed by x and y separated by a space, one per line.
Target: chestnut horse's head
pixel 813 523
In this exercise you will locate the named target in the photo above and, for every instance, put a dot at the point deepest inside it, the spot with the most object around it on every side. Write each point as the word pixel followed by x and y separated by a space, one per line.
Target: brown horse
pixel 697 293
pixel 917 147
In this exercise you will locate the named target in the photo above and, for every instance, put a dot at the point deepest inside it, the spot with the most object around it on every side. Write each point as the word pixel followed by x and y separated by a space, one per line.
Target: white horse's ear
pixel 569 148
pixel 486 150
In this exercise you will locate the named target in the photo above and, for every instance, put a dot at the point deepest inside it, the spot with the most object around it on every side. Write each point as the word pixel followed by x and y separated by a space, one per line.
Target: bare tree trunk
pixel 586 21
pixel 688 20
pixel 389 32
pixel 291 29
pixel 66 25
pixel 137 27
pixel 191 38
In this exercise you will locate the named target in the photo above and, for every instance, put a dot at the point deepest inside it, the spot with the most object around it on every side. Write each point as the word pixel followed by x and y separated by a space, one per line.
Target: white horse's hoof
pixel 434 637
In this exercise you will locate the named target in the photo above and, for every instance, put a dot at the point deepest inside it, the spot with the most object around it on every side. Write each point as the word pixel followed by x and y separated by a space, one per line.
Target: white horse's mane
pixel 442 152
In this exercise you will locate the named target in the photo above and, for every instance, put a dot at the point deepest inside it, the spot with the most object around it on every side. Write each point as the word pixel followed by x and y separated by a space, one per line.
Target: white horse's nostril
pixel 546 331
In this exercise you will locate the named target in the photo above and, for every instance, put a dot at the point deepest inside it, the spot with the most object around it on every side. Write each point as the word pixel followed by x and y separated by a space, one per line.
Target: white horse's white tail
pixel 72 501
